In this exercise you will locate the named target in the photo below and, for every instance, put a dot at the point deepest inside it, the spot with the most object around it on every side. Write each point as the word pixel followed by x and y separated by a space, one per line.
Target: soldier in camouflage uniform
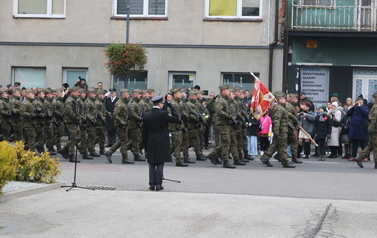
pixel 83 146
pixel 40 120
pixel 121 119
pixel 372 137
pixel 91 123
pixel 194 126
pixel 72 119
pixel 234 131
pixel 292 108
pixel 101 121
pixel 280 119
pixel 27 112
pixel 57 119
pixel 185 130
pixel 176 128
pixel 134 126
pixel 151 94
pixel 15 117
pixel 4 115
pixel 48 121
pixel 204 114
pixel 222 119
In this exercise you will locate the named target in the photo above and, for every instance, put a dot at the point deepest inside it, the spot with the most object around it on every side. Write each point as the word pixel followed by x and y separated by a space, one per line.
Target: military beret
pixel 150 90
pixel 175 90
pixel 74 89
pixel 308 104
pixel 157 99
pixel 224 86
pixel 125 90
pixel 193 92
pixel 279 94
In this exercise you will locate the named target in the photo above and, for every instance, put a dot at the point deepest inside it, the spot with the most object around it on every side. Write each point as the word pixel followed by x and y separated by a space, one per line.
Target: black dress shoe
pixel 86 156
pixel 189 161
pixel 159 188
pixel 359 162
pixel 108 156
pixel 109 145
pixel 288 165
pixel 127 162
pixel 266 162
pixel 238 162
pixel 227 165
pixel 181 164
pixel 64 154
pixel 95 154
pixel 151 188
pixel 201 158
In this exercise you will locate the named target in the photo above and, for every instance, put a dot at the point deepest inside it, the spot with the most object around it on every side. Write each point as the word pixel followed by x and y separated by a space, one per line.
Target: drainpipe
pixel 273 44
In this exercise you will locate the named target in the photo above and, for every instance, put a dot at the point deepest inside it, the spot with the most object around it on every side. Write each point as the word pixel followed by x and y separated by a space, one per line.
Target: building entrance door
pixel 364 83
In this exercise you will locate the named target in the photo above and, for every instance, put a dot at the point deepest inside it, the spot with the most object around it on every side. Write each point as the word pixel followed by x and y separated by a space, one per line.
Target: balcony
pixel 333 15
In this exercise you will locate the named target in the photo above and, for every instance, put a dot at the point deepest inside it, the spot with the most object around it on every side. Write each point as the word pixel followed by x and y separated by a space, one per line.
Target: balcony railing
pixel 336 15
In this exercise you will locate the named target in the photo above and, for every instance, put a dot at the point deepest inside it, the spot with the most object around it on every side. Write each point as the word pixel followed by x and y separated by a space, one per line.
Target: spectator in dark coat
pixel 109 106
pixel 322 131
pixel 358 126
pixel 156 139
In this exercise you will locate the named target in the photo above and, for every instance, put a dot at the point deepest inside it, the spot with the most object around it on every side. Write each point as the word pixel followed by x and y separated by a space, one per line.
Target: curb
pixel 30 191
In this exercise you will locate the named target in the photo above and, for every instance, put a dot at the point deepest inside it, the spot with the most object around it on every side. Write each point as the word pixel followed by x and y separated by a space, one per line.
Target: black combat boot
pixel 212 158
pixel 265 161
pixel 95 154
pixel 108 156
pixel 359 162
pixel 138 158
pixel 228 165
pixel 295 160
pixel 288 164
pixel 86 156
pixel 238 162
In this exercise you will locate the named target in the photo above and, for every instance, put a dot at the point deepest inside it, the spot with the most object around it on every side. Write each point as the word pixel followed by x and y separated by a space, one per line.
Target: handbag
pixel 345 139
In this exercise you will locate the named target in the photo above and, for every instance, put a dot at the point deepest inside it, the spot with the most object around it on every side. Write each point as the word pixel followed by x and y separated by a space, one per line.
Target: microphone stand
pixel 74 185
pixel 171 180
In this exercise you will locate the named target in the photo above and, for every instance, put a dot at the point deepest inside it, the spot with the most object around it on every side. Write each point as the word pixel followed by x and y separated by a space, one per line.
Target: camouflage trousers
pixel 134 136
pixel 194 137
pixel 83 146
pixel 91 131
pixel 293 142
pixel 17 129
pixel 100 138
pixel 234 145
pixel 73 131
pixel 176 144
pixel 29 138
pixel 222 149
pixel 185 143
pixel 58 133
pixel 216 134
pixel 372 146
pixel 241 141
pixel 5 129
pixel 278 145
pixel 122 142
pixel 49 132
pixel 40 137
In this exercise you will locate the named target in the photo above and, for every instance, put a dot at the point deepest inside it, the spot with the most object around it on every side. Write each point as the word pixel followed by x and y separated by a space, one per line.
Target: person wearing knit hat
pixel 303 98
pixel 335 116
pixel 306 118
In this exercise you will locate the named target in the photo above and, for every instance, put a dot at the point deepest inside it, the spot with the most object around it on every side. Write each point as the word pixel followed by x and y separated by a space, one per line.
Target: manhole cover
pixel 101 188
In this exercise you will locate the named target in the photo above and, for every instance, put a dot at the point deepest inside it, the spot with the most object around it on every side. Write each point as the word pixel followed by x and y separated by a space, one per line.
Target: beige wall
pixel 88 21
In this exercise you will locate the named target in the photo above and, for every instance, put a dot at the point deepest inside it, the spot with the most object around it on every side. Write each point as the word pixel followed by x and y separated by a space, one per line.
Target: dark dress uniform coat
pixel 109 106
pixel 156 135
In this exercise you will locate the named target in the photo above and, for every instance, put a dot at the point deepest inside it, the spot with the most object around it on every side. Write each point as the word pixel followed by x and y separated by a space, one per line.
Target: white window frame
pixel 239 11
pixel 43 83
pixel 318 3
pixel 145 11
pixel 192 77
pixel 47 15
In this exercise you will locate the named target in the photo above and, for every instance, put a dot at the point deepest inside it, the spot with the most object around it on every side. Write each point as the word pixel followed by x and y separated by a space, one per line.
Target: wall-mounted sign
pixel 315 83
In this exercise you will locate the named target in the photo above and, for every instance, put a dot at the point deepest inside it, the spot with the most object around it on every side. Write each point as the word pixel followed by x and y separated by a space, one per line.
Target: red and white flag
pixel 261 99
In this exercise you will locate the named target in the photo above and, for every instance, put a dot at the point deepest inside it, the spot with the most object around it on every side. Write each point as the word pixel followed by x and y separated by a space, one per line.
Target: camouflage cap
pixel 58 90
pixel 41 90
pixel 182 90
pixel 193 92
pixel 82 90
pixel 224 86
pixel 29 91
pixel 236 89
pixel 143 91
pixel 91 91
pixel 124 90
pixel 293 95
pixel 199 91
pixel 242 91
pixel 100 91
pixel 2 91
pixel 136 90
pixel 175 90
pixel 150 90
pixel 74 89
pixel 48 90
pixel 375 95
pixel 16 89
pixel 279 94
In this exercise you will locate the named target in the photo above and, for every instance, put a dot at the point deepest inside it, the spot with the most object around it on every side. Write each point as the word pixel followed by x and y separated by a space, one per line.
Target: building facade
pixel 205 42
pixel 330 47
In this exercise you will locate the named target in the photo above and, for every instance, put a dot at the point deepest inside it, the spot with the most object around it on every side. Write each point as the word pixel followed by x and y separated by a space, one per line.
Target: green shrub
pixel 7 164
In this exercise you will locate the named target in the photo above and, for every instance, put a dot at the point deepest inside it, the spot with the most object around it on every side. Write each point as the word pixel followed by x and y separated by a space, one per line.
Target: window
pixel 317 2
pixel 242 80
pixel 30 77
pixel 131 81
pixel 141 8
pixel 233 8
pixel 71 75
pixel 182 79
pixel 39 8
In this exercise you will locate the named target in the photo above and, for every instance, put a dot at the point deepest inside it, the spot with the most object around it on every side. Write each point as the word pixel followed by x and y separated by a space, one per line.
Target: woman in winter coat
pixel 358 126
pixel 335 116
pixel 322 131
pixel 306 118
